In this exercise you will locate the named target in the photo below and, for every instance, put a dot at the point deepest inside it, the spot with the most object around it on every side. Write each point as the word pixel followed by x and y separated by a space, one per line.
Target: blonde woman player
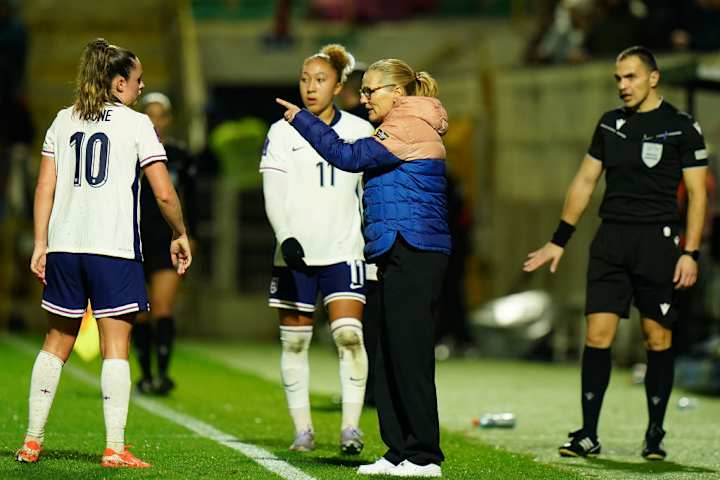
pixel 87 238
pixel 314 210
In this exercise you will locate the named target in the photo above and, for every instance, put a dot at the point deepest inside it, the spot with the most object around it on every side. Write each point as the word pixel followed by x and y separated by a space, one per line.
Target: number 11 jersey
pixel 96 208
pixel 322 203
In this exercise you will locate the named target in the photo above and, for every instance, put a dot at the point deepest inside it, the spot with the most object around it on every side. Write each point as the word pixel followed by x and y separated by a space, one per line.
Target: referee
pixel 646 148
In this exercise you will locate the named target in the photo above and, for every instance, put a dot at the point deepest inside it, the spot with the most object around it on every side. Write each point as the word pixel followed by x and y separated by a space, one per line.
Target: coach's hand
pixel 37 262
pixel 180 254
pixel 548 253
pixel 291 111
pixel 293 253
pixel 686 271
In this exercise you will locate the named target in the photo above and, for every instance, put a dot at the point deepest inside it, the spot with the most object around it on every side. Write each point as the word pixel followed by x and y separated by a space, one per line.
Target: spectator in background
pixel 562 34
pixel 15 123
pixel 616 24
pixel 157 329
pixel 699 26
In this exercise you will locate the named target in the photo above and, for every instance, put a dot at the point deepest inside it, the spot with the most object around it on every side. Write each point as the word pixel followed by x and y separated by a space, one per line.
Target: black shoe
pixel 144 386
pixel 653 444
pixel 163 385
pixel 580 445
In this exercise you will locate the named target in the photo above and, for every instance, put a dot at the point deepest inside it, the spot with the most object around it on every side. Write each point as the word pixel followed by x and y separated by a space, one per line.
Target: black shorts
pixel 156 248
pixel 634 262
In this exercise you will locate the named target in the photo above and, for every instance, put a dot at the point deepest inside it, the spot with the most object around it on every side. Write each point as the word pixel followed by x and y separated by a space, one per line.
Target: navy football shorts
pixel 298 290
pixel 114 286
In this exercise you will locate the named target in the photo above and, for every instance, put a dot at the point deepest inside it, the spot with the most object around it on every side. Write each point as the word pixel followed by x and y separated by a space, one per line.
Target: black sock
pixel 142 339
pixel 596 365
pixel 658 384
pixel 164 337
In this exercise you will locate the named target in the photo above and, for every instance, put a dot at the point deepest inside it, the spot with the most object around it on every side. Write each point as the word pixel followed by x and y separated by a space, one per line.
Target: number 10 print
pixel 95 174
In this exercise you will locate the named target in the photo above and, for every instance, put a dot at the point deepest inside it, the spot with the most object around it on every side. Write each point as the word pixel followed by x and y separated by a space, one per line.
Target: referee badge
pixel 379 133
pixel 651 153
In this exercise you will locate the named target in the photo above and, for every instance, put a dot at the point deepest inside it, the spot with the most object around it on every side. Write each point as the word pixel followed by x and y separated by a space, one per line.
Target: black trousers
pixel 405 359
pixel 371 323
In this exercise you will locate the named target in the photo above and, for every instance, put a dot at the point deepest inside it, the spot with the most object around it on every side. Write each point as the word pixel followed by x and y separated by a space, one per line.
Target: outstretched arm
pixel 363 154
pixel 576 201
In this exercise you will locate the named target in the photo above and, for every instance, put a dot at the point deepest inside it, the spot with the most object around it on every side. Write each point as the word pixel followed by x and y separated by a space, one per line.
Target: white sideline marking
pixel 259 455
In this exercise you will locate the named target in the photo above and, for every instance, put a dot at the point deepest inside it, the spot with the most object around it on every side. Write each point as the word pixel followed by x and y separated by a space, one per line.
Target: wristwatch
pixel 694 254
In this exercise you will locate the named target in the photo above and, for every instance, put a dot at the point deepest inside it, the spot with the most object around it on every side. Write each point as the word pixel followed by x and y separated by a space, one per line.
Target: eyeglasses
pixel 367 91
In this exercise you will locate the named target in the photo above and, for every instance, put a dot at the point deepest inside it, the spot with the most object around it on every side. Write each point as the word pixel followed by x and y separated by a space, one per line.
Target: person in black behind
pixel 646 148
pixel 163 282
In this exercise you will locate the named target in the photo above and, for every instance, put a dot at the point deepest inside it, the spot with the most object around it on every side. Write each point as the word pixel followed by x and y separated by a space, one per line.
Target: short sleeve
pixel 149 148
pixel 48 148
pixel 692 149
pixel 272 158
pixel 597 145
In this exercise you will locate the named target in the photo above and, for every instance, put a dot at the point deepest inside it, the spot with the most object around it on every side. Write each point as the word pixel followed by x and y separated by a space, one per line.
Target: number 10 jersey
pixel 96 208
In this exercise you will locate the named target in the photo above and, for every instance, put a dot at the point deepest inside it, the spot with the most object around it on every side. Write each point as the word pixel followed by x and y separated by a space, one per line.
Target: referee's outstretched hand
pixel 548 253
pixel 686 271
pixel 291 111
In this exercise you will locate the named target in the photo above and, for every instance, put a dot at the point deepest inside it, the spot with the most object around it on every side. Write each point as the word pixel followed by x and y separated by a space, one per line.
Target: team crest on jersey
pixel 379 133
pixel 651 153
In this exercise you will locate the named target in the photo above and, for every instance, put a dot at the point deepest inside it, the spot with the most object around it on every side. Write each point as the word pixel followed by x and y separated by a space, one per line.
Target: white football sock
pixel 295 370
pixel 116 384
pixel 348 336
pixel 43 385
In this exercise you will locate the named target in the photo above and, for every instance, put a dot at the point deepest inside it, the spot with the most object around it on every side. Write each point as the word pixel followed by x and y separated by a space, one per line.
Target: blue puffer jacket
pixel 404 165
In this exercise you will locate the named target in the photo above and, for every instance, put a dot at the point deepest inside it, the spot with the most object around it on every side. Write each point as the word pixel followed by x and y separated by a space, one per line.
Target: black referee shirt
pixel 644 154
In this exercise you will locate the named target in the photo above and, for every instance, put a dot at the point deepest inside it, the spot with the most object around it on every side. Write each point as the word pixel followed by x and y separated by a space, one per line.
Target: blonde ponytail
pixel 99 64
pixel 399 73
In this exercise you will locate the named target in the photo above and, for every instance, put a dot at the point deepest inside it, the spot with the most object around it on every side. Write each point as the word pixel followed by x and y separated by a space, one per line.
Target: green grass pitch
pixel 235 388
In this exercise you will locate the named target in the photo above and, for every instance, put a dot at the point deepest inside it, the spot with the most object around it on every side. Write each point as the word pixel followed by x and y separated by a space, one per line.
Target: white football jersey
pixel 323 203
pixel 97 192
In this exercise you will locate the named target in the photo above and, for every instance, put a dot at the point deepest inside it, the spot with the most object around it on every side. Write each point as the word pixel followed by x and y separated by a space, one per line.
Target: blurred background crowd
pixel 524 83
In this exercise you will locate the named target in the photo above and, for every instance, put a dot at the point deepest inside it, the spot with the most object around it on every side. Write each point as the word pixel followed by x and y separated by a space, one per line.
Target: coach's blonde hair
pixel 399 73
pixel 99 65
pixel 338 58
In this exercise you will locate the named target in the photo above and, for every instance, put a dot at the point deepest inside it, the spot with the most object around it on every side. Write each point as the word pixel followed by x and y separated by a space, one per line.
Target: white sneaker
pixel 409 469
pixel 381 467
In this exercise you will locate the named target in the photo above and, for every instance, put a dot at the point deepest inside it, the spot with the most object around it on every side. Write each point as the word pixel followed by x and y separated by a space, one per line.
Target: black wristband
pixel 562 234
pixel 694 254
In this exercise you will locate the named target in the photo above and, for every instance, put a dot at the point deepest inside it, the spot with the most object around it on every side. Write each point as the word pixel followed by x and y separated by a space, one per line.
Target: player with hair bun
pixel 314 210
